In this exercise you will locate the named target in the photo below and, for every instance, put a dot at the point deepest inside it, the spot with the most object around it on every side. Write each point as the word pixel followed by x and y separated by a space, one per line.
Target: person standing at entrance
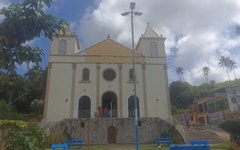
pixel 99 112
pixel 105 111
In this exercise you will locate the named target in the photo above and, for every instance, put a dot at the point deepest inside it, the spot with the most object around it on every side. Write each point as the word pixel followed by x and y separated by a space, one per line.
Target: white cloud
pixel 202 27
pixel 4 3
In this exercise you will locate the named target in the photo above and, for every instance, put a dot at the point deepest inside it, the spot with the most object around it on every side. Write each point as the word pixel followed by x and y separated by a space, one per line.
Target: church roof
pixel 108 51
pixel 149 32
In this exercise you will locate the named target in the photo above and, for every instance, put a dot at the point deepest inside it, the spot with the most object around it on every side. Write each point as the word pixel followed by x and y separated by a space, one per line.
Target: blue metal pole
pixel 132 6
pixel 134 82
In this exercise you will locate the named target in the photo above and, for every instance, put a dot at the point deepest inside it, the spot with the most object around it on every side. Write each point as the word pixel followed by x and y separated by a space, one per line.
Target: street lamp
pixel 132 6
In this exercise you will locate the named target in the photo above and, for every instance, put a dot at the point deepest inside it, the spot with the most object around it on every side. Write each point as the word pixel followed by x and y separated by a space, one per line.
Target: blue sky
pixel 70 12
pixel 197 33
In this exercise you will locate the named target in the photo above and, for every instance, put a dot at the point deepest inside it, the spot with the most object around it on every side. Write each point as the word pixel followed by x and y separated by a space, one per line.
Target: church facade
pixel 98 81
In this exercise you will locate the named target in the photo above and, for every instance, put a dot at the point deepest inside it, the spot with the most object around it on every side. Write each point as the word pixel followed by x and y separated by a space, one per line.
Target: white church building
pixel 101 76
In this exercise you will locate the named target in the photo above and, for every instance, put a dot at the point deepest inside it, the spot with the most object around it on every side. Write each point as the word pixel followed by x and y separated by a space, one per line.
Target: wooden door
pixel 112 133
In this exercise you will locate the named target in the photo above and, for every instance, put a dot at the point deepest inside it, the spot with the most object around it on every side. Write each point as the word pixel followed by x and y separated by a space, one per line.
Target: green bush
pixel 8 112
pixel 172 132
pixel 32 138
pixel 232 127
pixel 37 107
pixel 57 139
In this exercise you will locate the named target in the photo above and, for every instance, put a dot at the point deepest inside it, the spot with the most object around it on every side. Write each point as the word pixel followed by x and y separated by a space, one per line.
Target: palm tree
pixel 179 71
pixel 206 71
pixel 225 62
pixel 232 66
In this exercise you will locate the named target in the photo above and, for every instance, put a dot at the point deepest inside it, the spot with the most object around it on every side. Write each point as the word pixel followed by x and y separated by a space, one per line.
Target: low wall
pixel 110 130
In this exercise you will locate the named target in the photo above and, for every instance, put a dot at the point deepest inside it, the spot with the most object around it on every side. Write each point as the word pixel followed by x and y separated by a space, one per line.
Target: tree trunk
pixel 228 75
pixel 234 73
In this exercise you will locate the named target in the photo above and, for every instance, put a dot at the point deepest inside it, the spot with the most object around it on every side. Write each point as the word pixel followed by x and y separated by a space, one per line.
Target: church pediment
pixel 107 47
pixel 109 51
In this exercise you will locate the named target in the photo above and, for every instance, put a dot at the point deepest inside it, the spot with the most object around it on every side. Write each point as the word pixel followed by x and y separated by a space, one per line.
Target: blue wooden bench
pixel 195 142
pixel 59 146
pixel 163 141
pixel 79 143
pixel 189 147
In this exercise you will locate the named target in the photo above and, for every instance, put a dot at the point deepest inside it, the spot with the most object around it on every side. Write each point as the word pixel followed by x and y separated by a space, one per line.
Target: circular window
pixel 109 74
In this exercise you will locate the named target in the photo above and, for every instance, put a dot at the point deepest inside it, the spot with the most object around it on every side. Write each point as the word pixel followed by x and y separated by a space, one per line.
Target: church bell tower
pixel 65 43
pixel 151 44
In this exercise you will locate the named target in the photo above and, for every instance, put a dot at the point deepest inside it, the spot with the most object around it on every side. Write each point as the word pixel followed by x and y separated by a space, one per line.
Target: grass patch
pixel 222 147
pixel 146 147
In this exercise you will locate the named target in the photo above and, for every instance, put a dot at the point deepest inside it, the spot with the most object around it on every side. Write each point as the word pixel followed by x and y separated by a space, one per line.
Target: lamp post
pixel 132 6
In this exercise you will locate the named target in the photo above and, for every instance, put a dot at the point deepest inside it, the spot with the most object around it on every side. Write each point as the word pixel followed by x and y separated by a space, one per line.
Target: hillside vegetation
pixel 182 94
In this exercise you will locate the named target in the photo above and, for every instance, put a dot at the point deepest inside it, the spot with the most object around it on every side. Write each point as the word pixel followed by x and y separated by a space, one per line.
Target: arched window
pixel 84 107
pixel 109 104
pixel 131 75
pixel 62 47
pixel 85 74
pixel 153 49
pixel 131 106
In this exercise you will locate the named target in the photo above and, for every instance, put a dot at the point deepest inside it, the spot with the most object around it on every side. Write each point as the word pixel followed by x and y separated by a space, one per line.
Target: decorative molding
pixel 49 65
pixel 120 91
pixel 168 95
pixel 165 67
pixel 73 90
pixel 98 86
pixel 74 66
pixel 119 66
pixel 98 66
pixel 84 81
pixel 131 82
pixel 47 92
pixel 144 67
pixel 145 91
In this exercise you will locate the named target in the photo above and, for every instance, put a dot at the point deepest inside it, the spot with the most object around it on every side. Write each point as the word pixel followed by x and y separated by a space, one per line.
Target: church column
pixel 168 95
pixel 120 91
pixel 98 87
pixel 73 89
pixel 47 92
pixel 145 90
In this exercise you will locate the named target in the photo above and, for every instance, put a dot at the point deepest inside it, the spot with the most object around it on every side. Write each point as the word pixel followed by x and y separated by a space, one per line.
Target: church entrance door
pixel 112 133
pixel 109 104
pixel 84 107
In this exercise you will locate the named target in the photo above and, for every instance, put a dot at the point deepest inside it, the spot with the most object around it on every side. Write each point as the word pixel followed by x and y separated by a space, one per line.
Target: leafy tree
pixel 8 111
pixel 13 88
pixel 37 107
pixel 232 66
pixel 232 127
pixel 22 23
pixel 179 71
pixel 206 71
pixel 227 63
pixel 19 91
pixel 35 80
pixel 180 95
pixel 212 82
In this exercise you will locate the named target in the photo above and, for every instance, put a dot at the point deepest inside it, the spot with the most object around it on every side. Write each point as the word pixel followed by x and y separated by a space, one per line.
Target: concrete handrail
pixel 180 129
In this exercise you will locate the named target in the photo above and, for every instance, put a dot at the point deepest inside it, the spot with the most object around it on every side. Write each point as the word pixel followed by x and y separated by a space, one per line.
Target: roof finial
pixel 108 36
pixel 148 23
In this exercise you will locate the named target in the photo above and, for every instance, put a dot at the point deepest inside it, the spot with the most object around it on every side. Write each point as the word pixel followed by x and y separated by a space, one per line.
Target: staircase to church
pixel 213 136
